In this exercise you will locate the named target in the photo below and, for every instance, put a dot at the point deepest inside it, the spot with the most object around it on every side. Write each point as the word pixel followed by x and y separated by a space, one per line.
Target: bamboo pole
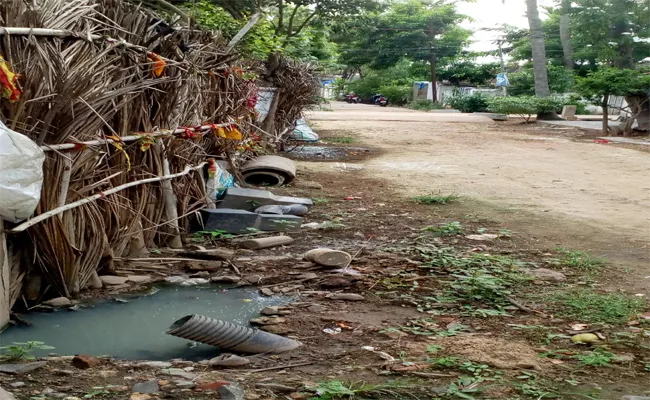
pixel 132 138
pixel 5 282
pixel 59 210
pixel 171 210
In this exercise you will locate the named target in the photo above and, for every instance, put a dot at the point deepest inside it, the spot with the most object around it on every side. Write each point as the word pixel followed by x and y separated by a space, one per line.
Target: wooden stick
pixel 95 197
pixel 243 31
pixel 278 367
pixel 132 138
pixel 171 210
pixel 522 307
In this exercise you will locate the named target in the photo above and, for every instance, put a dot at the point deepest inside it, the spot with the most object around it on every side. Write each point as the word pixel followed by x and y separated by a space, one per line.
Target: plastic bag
pixel 303 132
pixel 21 177
pixel 219 179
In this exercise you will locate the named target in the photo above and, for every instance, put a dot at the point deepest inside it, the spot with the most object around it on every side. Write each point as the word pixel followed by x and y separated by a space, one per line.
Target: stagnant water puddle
pixel 134 327
pixel 307 152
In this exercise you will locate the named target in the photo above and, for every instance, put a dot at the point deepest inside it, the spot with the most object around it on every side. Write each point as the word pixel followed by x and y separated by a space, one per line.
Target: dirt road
pixel 538 180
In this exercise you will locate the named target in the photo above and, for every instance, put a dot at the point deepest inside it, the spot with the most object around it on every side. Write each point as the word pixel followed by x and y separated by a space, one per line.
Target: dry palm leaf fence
pixel 116 99
pixel 297 88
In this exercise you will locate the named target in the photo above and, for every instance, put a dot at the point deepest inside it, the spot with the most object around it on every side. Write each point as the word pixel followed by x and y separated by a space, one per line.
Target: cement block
pixel 239 221
pixel 250 199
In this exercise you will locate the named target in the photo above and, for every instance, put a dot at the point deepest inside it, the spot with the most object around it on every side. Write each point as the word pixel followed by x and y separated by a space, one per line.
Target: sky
pixel 493 13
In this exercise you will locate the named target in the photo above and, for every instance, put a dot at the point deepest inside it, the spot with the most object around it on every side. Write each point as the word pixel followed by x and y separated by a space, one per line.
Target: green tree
pixel 463 71
pixel 416 30
pixel 599 85
pixel 522 82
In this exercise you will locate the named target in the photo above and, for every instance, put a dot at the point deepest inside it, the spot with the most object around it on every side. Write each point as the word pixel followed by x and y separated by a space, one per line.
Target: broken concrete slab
pixel 19 369
pixel 113 280
pixel 241 221
pixel 250 199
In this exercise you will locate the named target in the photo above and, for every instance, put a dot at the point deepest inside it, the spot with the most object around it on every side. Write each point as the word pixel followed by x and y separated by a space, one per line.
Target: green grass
pixel 579 260
pixel 590 306
pixel 595 358
pixel 333 390
pixel 449 229
pixel 424 105
pixel 435 199
pixel 319 201
pixel 344 139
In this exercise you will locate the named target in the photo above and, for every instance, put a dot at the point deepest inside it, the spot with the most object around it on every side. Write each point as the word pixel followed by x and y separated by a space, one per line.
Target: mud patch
pixel 496 352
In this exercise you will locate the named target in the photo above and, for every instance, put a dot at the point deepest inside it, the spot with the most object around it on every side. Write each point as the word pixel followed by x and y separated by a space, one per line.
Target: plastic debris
pixel 332 331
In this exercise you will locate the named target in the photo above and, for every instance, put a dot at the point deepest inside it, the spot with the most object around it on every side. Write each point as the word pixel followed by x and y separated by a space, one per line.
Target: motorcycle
pixel 382 101
pixel 352 98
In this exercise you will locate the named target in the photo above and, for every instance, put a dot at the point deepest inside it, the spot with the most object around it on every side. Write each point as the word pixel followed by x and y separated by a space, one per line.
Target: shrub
pixel 576 100
pixel 424 105
pixel 396 94
pixel 476 102
pixel 524 106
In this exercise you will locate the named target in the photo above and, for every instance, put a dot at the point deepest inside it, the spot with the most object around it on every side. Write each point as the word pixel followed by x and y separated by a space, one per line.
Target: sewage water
pixel 134 327
pixel 326 152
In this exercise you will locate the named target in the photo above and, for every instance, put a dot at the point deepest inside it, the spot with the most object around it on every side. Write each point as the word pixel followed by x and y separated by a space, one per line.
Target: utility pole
pixel 432 60
pixel 503 65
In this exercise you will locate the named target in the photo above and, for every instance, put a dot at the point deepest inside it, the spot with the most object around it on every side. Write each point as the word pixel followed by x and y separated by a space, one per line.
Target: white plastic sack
pixel 21 175
pixel 264 99
pixel 303 132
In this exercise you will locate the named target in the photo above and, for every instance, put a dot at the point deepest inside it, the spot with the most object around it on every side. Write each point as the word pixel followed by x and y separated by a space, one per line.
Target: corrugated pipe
pixel 229 336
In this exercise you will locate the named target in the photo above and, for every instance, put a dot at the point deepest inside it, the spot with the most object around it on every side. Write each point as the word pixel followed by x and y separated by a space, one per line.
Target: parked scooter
pixel 380 100
pixel 352 98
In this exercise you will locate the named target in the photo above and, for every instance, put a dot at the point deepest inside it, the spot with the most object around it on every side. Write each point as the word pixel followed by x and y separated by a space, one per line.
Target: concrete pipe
pixel 229 336
pixel 266 170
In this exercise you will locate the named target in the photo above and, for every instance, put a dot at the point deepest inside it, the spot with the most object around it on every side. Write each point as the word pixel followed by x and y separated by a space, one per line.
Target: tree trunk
pixel 640 110
pixel 605 114
pixel 539 53
pixel 5 281
pixel 433 61
pixel 565 35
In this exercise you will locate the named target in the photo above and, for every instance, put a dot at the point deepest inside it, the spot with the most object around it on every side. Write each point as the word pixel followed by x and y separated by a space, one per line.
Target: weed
pixel 319 201
pixel 434 348
pixel 332 390
pixel 22 351
pixel 449 229
pixel 214 235
pixel 477 370
pixel 595 358
pixel 590 306
pixel 285 224
pixel 579 260
pixel 343 139
pixel 446 362
pixel 435 199
pixel 463 388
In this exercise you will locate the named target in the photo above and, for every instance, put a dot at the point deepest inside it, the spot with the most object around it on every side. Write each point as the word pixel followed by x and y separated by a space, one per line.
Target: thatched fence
pixel 128 111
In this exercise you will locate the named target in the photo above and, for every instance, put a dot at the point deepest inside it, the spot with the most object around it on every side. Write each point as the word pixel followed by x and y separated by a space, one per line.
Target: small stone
pixel 107 373
pixel 201 274
pixel 184 384
pixel 58 302
pixel 545 274
pixel 254 279
pixel 226 279
pixel 85 362
pixel 16 384
pixel 270 310
pixel 483 237
pixel 299 396
pixel 180 373
pixel 624 358
pixel 163 382
pixel 632 397
pixel 335 282
pixel 360 235
pixel 307 276
pixel 345 296
pixel 113 280
pixel 267 292
pixel 268 321
pixel 139 278
pixel 141 396
pixel 19 369
pixel 252 396
pixel 212 385
pixel 155 364
pixel 316 308
pixel 277 329
pixel 188 369
pixel 307 185
pixel 231 392
pixel 229 361
pixel 63 372
pixel 71 398
pixel 146 387
pixel 117 389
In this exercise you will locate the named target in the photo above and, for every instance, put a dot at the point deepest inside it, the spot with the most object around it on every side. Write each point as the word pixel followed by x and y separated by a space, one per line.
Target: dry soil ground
pixel 554 184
